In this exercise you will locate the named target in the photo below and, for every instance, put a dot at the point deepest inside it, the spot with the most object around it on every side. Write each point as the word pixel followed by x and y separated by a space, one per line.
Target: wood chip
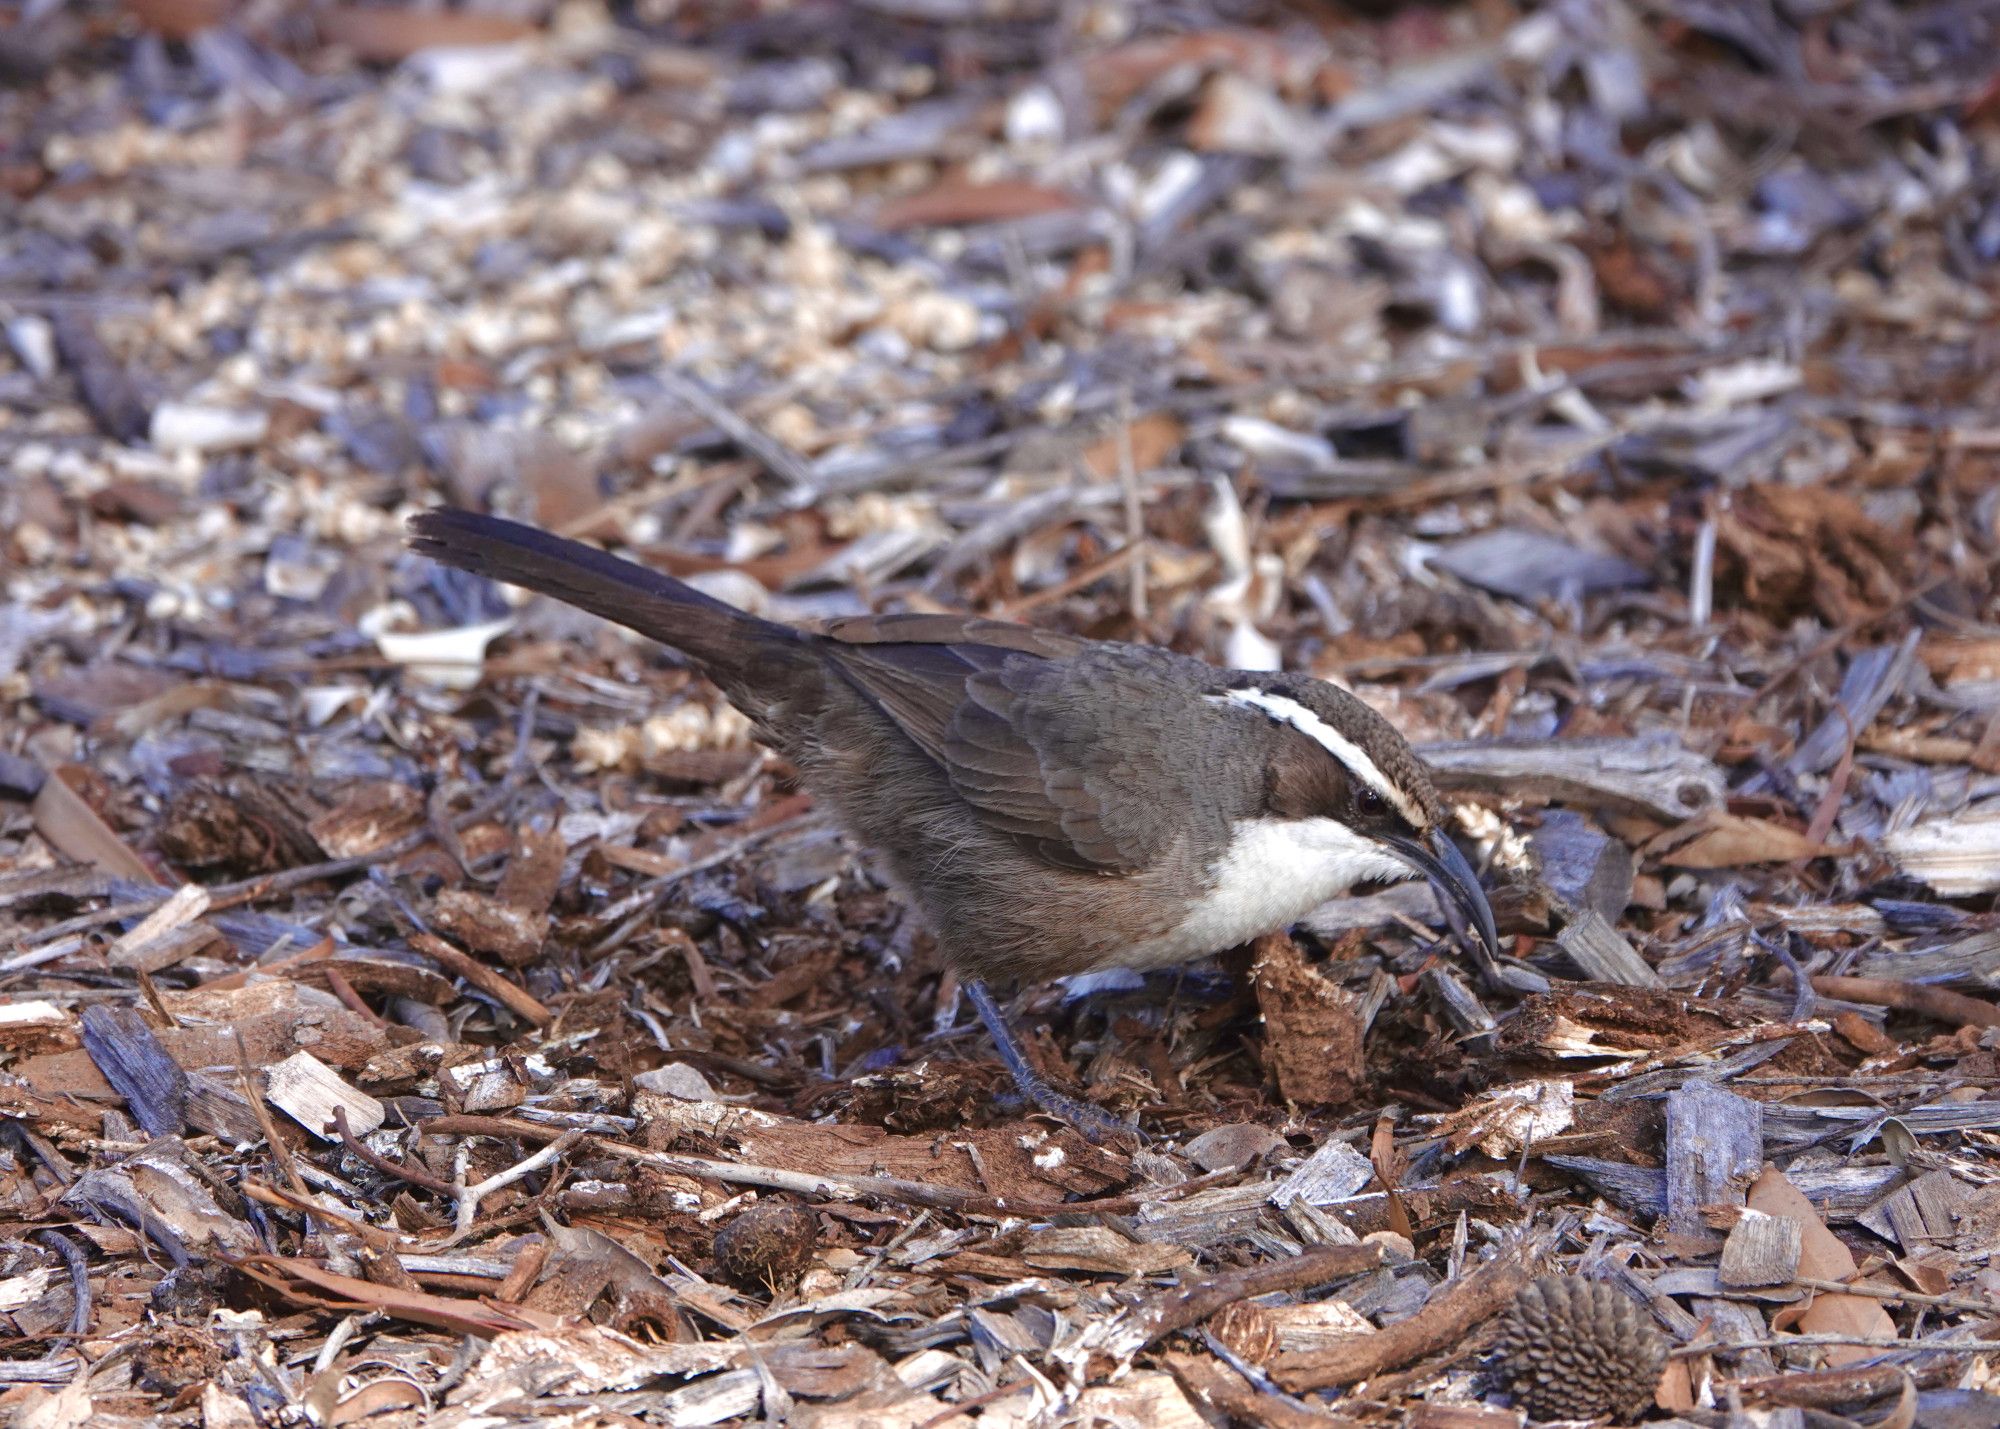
pixel 310 1092
pixel 1760 1250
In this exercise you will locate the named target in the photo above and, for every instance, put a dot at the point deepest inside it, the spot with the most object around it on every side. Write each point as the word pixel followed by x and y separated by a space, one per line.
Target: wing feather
pixel 1063 744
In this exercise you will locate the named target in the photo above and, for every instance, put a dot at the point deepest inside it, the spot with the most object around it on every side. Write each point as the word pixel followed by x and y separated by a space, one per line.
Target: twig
pixel 252 890
pixel 1236 1397
pixel 978 1401
pixel 471 1196
pixel 1872 1342
pixel 399 1170
pixel 1900 1297
pixel 779 459
pixel 1823 1389
pixel 527 1268
pixel 262 1111
pixel 1069 585
pixel 1936 1002
pixel 1439 1325
pixel 888 1188
pixel 773 819
pixel 893 1188
pixel 344 990
pixel 1182 1309
pixel 1800 663
pixel 1135 514
pixel 79 1277
pixel 517 999
pixel 1836 787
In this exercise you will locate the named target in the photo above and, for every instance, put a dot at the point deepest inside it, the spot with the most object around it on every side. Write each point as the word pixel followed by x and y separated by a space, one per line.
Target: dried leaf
pixel 956 201
pixel 66 820
pixel 1823 1257
pixel 383 33
pixel 1731 841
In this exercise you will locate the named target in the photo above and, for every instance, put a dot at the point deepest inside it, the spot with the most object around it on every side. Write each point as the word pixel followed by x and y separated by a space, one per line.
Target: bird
pixel 1048 805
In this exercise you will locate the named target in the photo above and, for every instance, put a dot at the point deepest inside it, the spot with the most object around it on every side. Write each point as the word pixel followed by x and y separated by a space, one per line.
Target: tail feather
pixel 672 612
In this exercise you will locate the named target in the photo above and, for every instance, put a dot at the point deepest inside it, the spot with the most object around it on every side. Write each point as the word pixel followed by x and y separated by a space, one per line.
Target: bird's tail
pixel 729 643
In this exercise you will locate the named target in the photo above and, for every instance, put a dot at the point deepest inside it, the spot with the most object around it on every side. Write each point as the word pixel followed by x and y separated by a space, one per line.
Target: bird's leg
pixel 1091 1120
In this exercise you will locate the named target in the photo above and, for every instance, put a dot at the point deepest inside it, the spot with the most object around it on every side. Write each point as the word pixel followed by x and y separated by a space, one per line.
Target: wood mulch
pixel 421 1007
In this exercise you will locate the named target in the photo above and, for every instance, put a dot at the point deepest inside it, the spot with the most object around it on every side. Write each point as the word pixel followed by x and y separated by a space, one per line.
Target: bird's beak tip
pixel 1439 860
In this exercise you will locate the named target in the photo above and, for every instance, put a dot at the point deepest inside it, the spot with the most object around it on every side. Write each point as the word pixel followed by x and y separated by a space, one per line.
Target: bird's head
pixel 1332 758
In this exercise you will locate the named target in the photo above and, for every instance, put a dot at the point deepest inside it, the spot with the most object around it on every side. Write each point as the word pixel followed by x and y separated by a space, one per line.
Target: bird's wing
pixel 1078 758
pixel 970 632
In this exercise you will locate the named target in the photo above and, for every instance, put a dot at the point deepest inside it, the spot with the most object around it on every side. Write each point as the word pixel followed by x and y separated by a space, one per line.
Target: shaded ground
pixel 403 988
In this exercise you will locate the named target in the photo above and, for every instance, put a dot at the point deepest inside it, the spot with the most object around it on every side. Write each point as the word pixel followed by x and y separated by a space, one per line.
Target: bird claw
pixel 1091 1121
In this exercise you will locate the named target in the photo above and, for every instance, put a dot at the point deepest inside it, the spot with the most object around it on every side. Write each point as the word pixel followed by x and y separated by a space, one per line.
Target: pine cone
pixel 1575 1349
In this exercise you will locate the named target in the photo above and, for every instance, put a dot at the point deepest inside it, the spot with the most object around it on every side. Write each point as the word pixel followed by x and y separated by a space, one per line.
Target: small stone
pixel 942 322
pixel 1034 118
pixel 676 1079
pixel 1231 1147
pixel 1396 1248
pixel 770 1242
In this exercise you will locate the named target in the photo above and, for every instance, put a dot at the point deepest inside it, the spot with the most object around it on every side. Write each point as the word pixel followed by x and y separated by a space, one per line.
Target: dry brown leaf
pixel 387 35
pixel 956 201
pixel 65 818
pixel 382 1396
pixel 1823 1257
pixel 1115 76
pixel 1154 437
pixel 305 1283
pixel 1730 841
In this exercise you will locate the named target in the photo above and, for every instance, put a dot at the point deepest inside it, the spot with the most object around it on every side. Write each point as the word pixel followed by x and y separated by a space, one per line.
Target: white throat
pixel 1274 872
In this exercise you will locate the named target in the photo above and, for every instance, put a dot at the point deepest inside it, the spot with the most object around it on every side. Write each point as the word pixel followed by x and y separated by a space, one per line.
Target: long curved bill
pixel 1446 868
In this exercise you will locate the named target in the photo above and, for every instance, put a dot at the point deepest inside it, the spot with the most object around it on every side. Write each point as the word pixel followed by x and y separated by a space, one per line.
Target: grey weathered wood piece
pixel 1973 961
pixel 1601 953
pixel 1919 1215
pixel 1761 1250
pixel 1715 1147
pixel 1581 866
pixel 137 1064
pixel 1654 776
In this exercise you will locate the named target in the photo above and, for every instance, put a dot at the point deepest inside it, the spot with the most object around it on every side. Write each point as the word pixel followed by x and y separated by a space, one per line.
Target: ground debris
pixel 422 1003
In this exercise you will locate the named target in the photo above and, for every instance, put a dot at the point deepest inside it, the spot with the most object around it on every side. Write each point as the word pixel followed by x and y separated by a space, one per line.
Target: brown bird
pixel 1049 805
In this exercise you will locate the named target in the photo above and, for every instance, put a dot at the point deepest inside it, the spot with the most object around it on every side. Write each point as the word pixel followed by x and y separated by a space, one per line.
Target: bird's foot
pixel 1091 1121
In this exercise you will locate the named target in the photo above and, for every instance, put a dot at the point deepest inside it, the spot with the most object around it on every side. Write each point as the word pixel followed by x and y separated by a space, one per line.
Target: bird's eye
pixel 1370 804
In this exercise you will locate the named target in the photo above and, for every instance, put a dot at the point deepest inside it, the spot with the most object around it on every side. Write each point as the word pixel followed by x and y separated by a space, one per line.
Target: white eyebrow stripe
pixel 1291 712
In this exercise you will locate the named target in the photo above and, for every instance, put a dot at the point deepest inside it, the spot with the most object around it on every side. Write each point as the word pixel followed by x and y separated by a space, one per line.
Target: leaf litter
pixel 423 1007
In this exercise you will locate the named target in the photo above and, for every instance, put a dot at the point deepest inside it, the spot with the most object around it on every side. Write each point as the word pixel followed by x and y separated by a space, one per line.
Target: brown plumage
pixel 1049 804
